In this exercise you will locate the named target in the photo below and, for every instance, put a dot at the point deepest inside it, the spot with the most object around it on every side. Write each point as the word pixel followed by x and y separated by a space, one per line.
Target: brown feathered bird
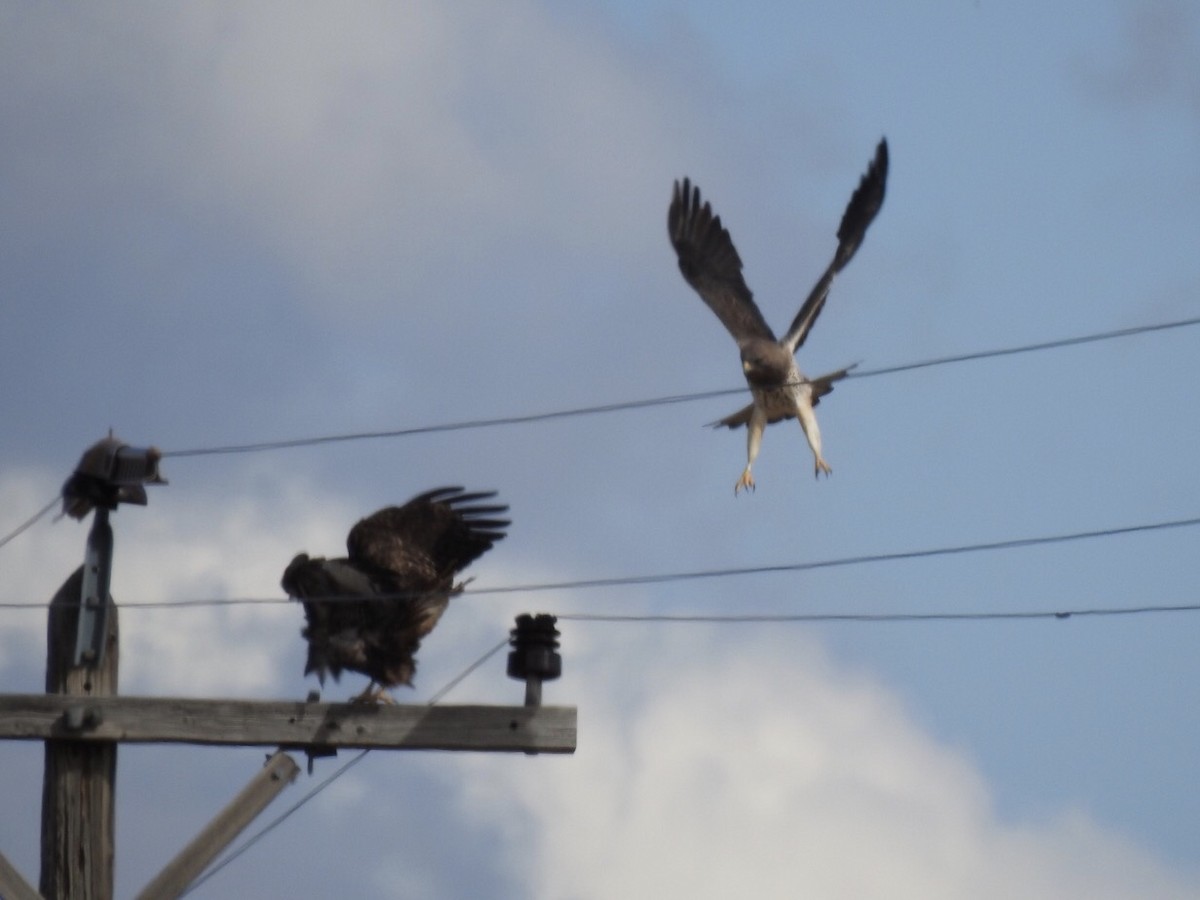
pixel 368 611
pixel 710 264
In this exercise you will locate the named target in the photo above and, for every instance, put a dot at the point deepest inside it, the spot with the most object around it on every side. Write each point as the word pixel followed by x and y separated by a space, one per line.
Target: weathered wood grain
pixel 78 781
pixel 37 717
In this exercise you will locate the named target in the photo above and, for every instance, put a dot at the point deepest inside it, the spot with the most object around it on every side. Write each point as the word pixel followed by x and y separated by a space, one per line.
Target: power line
pixel 633 404
pixel 32 520
pixel 1027 348
pixel 274 823
pixel 661 578
pixel 451 426
pixel 287 813
pixel 465 673
pixel 862 559
pixel 769 618
pixel 667 400
pixel 1060 615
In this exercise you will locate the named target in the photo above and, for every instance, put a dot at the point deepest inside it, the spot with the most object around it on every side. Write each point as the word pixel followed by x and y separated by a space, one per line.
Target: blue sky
pixel 227 224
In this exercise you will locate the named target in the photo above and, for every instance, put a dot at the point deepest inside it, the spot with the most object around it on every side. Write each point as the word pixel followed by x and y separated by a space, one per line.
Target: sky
pixel 225 224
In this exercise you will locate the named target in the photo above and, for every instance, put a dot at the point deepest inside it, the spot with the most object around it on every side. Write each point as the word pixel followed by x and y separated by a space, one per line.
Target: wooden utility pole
pixel 193 859
pixel 12 885
pixel 82 719
pixel 291 724
pixel 79 777
pixel 310 725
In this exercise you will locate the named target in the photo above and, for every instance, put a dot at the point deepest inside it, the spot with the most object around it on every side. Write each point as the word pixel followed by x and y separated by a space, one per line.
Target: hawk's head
pixel 766 363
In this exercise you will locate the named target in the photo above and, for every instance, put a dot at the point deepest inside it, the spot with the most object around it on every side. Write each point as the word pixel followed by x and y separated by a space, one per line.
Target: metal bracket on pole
pixel 94 600
pixel 109 473
pixel 312 751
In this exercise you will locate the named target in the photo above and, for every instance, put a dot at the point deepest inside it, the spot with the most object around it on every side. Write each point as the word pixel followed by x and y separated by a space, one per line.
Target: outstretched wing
pixel 369 612
pixel 710 264
pixel 860 212
pixel 431 537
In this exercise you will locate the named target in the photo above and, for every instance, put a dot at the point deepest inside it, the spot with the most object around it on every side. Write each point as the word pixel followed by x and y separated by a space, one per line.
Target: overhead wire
pixel 1027 348
pixel 666 577
pixel 677 576
pixel 342 770
pixel 274 823
pixel 32 520
pixel 861 559
pixel 780 618
pixel 633 404
pixel 666 400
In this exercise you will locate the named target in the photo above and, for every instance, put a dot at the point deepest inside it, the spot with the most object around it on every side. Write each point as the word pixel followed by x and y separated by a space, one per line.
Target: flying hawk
pixel 368 611
pixel 711 265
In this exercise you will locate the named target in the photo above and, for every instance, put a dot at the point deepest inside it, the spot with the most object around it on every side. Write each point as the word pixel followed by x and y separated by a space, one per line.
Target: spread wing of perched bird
pixel 368 611
pixel 710 264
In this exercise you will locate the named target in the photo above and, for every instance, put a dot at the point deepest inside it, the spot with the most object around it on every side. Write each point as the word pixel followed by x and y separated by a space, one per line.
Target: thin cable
pixel 462 676
pixel 451 426
pixel 842 561
pixel 863 559
pixel 282 817
pixel 627 580
pixel 1026 348
pixel 672 399
pixel 274 823
pixel 32 520
pixel 751 619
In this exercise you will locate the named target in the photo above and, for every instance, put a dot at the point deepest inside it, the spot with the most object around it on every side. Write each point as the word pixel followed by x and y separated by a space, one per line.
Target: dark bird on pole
pixel 710 264
pixel 368 611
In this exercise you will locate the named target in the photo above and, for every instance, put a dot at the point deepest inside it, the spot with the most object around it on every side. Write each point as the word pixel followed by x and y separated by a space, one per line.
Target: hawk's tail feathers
pixel 821 385
pixel 318 662
pixel 737 420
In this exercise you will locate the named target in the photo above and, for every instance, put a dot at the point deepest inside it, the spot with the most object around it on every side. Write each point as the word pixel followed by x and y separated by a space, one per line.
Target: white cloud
pixel 712 762
pixel 190 544
pixel 179 548
pixel 369 152
pixel 748 765
pixel 33 564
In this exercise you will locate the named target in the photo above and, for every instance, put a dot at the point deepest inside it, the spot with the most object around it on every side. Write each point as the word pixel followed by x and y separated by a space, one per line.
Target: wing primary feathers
pixel 437 494
pixel 864 205
pixel 395 583
pixel 710 263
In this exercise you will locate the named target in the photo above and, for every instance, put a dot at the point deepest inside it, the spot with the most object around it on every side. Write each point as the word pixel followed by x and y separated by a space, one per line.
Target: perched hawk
pixel 367 612
pixel 711 265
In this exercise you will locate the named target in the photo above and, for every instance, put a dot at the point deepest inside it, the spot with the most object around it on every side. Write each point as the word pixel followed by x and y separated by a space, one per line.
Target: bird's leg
pixel 812 431
pixel 374 694
pixel 754 433
pixel 369 694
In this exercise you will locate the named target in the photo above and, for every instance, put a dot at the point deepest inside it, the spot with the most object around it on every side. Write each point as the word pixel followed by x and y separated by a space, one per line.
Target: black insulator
pixel 535 648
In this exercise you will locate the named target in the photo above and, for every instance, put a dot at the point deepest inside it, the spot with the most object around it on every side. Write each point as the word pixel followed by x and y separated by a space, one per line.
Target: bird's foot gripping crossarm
pixel 375 694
